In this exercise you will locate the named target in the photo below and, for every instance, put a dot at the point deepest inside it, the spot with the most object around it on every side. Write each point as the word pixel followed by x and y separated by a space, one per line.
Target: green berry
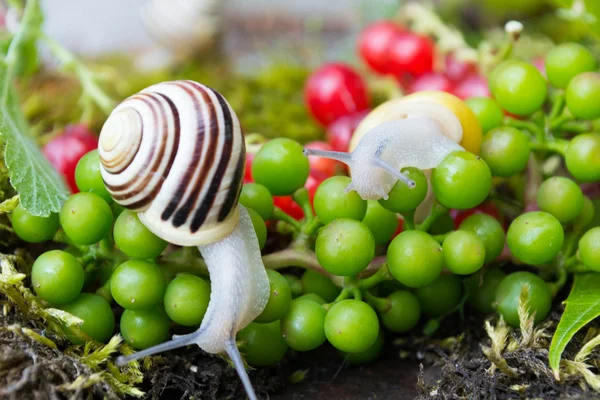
pixel 481 289
pixel 462 180
pixel 566 61
pixel 589 249
pixel 560 197
pixel 489 230
pixel 382 223
pixel 281 166
pixel 332 202
pixel 583 95
pixel 88 177
pixel 506 151
pixel 186 299
pixel 262 344
pixel 258 198
pixel 311 297
pixel 441 296
pixel 138 284
pixel 403 198
pixel 509 291
pixel 57 277
pixel 145 328
pixel 303 325
pixel 464 252
pixel 134 239
pixel 415 258
pixel 351 326
pixel 313 282
pixel 86 218
pixel 487 111
pixel 402 313
pixel 260 228
pixel 518 87
pixel 294 283
pixel 97 315
pixel 583 157
pixel 280 298
pixel 367 356
pixel 31 228
pixel 535 237
pixel 345 247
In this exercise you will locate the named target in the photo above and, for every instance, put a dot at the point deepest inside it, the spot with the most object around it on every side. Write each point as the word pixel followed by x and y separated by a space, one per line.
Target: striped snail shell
pixel 174 153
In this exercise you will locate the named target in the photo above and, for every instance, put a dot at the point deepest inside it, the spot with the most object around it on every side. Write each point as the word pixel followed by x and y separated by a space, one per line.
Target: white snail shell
pixel 174 153
pixel 183 26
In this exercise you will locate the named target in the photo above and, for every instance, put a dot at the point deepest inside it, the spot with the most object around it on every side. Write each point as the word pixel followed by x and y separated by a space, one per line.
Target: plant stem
pixel 437 210
pixel 281 215
pixel 89 86
pixel 557 146
pixel 409 220
pixel 533 176
pixel 298 258
pixel 560 281
pixel 558 105
pixel 382 274
pixel 440 238
pixel 300 196
pixel 528 125
pixel 378 303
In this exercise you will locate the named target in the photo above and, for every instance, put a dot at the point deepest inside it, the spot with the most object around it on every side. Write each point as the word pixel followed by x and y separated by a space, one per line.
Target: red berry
pixel 340 131
pixel 430 81
pixel 472 86
pixel 248 172
pixel 400 227
pixel 335 90
pixel 64 151
pixel 457 70
pixel 320 164
pixel 410 54
pixel 540 64
pixel 374 42
pixel 487 207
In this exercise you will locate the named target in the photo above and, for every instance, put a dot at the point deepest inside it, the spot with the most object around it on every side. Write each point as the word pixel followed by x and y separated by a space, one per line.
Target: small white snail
pixel 418 133
pixel 184 27
pixel 175 153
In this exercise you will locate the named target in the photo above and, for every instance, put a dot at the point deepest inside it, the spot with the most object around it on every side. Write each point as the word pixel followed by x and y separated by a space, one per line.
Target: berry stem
pixel 557 146
pixel 556 286
pixel 295 257
pixel 380 304
pixel 280 215
pixel 440 238
pixel 409 220
pixel 301 197
pixel 527 125
pixel 533 177
pixel 558 106
pixel 437 210
pixel 382 274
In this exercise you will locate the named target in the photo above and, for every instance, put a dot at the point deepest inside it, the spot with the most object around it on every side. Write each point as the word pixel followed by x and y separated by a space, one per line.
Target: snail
pixel 184 27
pixel 175 153
pixel 418 130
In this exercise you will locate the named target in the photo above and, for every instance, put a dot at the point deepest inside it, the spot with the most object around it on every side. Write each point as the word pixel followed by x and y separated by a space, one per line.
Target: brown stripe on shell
pixel 201 212
pixel 235 186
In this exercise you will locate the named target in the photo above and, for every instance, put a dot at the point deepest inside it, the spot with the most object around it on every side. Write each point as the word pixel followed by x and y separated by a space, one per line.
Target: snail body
pixel 415 131
pixel 175 153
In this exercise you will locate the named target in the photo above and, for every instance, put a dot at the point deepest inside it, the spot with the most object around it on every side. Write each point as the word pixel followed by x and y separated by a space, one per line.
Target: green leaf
pixel 583 305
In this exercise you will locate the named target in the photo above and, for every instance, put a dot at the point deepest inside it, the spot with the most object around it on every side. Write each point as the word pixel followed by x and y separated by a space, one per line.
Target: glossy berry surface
pixel 259 227
pixel 583 157
pixel 487 111
pixel 506 151
pixel 85 218
pixel 332 202
pixel 57 277
pixel 280 297
pixel 518 87
pixel 382 222
pixel 145 328
pixel 137 284
pixel 472 86
pixel 258 198
pixel 333 91
pixel 374 43
pixel 97 315
pixel 509 292
pixel 589 249
pixel 441 296
pixel 583 95
pixel 303 326
pixel 403 198
pixel 345 247
pixel 186 299
pixel 560 197
pixel 431 81
pixel 88 177
pixel 367 356
pixel 134 239
pixel 403 313
pixel 481 289
pixel 566 61
pixel 351 326
pixel 280 166
pixel 462 180
pixel 262 344
pixel 340 131
pixel 415 258
pixel 410 54
pixel 31 228
pixel 65 150
pixel 464 252
pixel 535 237
pixel 489 230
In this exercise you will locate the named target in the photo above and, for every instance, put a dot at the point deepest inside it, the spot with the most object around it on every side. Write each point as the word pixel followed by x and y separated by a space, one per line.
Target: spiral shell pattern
pixel 175 153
